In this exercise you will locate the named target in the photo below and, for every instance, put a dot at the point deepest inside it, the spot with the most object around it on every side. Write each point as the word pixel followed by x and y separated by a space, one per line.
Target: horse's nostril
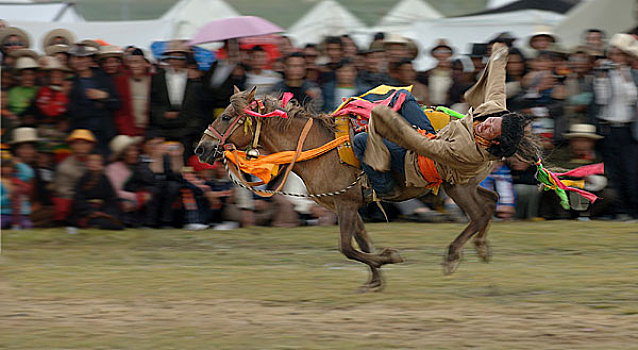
pixel 199 150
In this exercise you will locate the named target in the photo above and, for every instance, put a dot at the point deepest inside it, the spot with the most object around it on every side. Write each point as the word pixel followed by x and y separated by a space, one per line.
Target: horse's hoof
pixel 451 262
pixel 371 287
pixel 483 250
pixel 391 256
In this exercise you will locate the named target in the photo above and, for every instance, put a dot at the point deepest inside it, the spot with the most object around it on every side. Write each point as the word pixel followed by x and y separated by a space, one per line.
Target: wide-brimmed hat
pixel 67 36
pixel 22 135
pixel 57 48
pixel 49 63
pixel 10 31
pixel 110 51
pixel 546 33
pixel 583 130
pixel 26 62
pixel 441 44
pixel 121 142
pixel 623 42
pixel 82 51
pixel 478 50
pixel 176 46
pixel 91 43
pixel 24 53
pixel 81 134
pixel 393 38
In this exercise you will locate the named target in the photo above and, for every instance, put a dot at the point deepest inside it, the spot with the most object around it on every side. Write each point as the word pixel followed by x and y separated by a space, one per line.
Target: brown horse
pixel 327 174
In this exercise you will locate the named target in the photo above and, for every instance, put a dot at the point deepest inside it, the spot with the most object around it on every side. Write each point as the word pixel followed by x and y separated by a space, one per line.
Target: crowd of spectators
pixel 100 136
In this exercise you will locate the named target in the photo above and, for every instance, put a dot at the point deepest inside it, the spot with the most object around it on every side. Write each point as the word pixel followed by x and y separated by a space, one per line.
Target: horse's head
pixel 227 128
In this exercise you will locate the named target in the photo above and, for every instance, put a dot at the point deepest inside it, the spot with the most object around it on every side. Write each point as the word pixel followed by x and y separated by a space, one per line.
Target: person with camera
pixel 615 95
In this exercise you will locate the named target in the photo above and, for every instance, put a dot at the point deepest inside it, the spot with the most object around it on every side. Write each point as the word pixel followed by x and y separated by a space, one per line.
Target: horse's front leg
pixel 375 283
pixel 489 200
pixel 349 226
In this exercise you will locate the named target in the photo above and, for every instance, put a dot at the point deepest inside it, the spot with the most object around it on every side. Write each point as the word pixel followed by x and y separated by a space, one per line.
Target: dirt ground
pixel 551 285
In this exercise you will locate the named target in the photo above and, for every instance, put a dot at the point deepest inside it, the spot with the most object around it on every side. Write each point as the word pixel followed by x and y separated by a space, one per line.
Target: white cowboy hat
pixel 121 143
pixel 65 34
pixel 22 135
pixel 176 46
pixel 57 48
pixel 583 130
pixel 110 51
pixel 542 32
pixel 623 42
pixel 49 63
pixel 26 62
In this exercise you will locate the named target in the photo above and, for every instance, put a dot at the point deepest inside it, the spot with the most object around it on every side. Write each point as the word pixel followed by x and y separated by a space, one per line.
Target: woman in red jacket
pixel 134 87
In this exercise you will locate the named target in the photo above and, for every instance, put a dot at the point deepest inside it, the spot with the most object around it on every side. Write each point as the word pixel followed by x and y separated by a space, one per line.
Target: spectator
pixel 258 76
pixel 13 194
pixel 12 38
pixel 69 171
pixel 134 88
pixel 125 161
pixel 516 69
pixel 21 179
pixel 500 181
pixel 95 202
pixel 439 79
pixel 285 45
pixel 462 80
pixel 306 93
pixel 93 99
pixel 526 189
pixel 541 40
pixel 405 75
pixel 52 101
pixel 176 100
pixel 478 55
pixel 350 48
pixel 343 87
pixel 615 94
pixel 579 85
pixel 333 49
pixel 374 64
pixel 594 40
pixel 223 76
pixel 60 52
pixel 58 36
pixel 396 49
pixel 22 97
pixel 42 209
pixel 110 59
pixel 311 53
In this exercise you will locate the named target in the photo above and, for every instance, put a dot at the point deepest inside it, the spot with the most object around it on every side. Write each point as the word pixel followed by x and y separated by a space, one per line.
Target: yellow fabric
pixel 574 183
pixel 346 154
pixel 265 167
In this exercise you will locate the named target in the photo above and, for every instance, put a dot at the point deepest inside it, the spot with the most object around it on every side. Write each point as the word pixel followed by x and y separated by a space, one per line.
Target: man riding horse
pixel 463 150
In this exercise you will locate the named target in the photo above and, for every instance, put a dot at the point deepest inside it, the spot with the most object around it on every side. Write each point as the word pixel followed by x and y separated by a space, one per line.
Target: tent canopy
pixel 611 16
pixel 187 16
pixel 409 11
pixel 327 18
pixel 39 11
pixel 558 6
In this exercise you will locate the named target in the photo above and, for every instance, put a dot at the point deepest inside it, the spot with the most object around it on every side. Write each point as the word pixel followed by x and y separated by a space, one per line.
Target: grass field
pixel 550 285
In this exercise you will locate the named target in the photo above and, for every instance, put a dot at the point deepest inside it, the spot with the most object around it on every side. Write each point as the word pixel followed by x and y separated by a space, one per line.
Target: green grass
pixel 550 285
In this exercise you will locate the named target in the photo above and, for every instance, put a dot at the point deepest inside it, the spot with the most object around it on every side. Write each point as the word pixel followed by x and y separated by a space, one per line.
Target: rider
pixel 461 151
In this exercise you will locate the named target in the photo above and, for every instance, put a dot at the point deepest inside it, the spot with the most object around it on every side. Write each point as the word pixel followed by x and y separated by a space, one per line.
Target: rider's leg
pixel 382 182
pixel 412 112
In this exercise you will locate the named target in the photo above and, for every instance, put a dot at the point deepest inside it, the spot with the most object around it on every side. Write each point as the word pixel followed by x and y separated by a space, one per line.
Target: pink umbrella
pixel 234 28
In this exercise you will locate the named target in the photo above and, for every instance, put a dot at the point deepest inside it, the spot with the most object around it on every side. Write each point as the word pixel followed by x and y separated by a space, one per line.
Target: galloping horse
pixel 236 128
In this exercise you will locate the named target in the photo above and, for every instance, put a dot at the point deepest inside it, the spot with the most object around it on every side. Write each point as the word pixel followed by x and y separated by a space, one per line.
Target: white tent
pixel 39 12
pixel 187 16
pixel 493 4
pixel 611 16
pixel 462 31
pixel 409 11
pixel 121 33
pixel 326 18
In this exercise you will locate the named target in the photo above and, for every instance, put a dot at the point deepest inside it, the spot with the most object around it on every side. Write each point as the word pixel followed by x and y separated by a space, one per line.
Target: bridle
pixel 240 120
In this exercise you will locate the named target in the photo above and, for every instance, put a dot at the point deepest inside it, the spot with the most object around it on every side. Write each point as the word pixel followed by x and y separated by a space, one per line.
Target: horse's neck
pixel 274 140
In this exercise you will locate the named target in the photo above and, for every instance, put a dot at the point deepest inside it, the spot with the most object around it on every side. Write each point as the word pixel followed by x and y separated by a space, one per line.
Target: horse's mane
pixel 293 108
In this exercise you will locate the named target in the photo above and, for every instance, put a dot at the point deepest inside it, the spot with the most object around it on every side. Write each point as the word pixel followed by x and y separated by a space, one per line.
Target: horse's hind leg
pixel 464 196
pixel 489 199
pixel 365 243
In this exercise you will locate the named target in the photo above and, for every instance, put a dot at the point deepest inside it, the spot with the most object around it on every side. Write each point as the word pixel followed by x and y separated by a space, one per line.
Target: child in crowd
pixel 95 202
pixel 14 194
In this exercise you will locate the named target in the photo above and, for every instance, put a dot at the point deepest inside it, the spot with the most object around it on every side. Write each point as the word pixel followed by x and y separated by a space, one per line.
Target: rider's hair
pixel 516 138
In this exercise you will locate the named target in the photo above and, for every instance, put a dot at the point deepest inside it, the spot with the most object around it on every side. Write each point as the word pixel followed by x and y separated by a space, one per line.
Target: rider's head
pixel 505 132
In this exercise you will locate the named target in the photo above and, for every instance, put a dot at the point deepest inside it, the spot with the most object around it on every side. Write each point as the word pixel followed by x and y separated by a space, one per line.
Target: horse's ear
pixel 236 89
pixel 251 94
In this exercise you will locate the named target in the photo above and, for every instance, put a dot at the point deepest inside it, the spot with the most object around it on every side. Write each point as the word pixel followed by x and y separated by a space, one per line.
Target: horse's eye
pixel 225 117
